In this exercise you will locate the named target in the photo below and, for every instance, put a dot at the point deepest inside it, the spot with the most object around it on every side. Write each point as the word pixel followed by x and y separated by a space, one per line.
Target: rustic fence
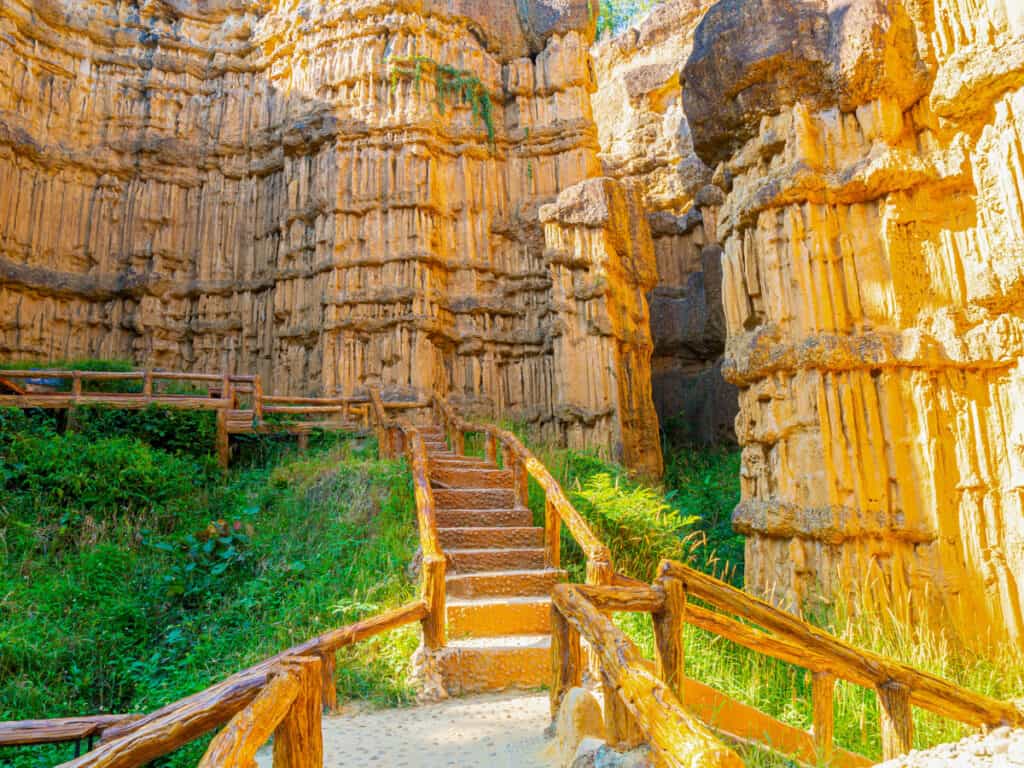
pixel 659 704
pixel 240 404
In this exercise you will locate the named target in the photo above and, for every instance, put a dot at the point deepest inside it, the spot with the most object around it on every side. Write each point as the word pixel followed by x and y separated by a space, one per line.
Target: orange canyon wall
pixel 259 184
pixel 872 160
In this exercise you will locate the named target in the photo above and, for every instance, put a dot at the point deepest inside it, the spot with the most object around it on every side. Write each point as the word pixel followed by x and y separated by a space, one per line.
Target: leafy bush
pixel 207 556
pixel 703 484
pixel 32 423
pixel 634 520
pixel 138 615
pixel 72 471
pixel 177 431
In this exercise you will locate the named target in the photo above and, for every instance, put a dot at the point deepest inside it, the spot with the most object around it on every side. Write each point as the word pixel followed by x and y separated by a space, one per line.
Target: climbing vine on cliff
pixel 450 83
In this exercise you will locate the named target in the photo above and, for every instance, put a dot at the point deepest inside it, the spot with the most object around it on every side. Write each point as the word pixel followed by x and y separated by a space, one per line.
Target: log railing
pixel 557 508
pixel 655 702
pixel 239 401
pixel 393 437
pixel 283 695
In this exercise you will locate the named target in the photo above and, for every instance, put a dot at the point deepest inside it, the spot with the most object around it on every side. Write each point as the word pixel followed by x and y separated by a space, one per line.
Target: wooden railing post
pixel 147 384
pixel 434 632
pixel 669 647
pixel 621 730
pixel 566 659
pixel 257 399
pixel 600 574
pixel 329 689
pixel 223 446
pixel 298 740
pixel 552 535
pixel 76 384
pixel 896 719
pixel 491 449
pixel 823 686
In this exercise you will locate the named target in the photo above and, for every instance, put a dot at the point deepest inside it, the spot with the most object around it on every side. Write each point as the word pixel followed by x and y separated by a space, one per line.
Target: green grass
pixel 133 575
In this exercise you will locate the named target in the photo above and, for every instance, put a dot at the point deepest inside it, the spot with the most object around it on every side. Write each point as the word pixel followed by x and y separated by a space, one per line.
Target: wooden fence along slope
pixel 239 401
pixel 655 703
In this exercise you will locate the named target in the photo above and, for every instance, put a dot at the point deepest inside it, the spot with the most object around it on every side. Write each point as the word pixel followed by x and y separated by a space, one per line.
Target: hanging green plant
pixel 458 85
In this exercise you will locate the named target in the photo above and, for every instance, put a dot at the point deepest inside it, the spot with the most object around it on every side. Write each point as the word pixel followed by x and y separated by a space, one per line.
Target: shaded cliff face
pixel 873 232
pixel 645 139
pixel 280 187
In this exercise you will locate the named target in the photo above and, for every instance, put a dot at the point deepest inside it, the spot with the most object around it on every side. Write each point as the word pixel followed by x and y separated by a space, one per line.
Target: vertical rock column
pixel 645 138
pixel 874 291
pixel 602 264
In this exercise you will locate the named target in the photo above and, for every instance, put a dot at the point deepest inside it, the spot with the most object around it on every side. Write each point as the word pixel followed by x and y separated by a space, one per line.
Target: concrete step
pixel 495 616
pixel 498 537
pixel 514 582
pixel 477 560
pixel 482 664
pixel 484 518
pixel 474 498
pixel 470 477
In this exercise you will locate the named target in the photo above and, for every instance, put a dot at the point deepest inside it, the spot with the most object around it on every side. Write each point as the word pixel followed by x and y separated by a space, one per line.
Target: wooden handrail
pixel 164 734
pixel 143 739
pixel 391 434
pixel 577 608
pixel 676 737
pixel 823 651
pixel 238 743
pixel 56 730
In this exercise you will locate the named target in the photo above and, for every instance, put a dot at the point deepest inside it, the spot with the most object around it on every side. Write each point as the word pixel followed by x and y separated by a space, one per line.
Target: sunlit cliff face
pixel 873 237
pixel 330 194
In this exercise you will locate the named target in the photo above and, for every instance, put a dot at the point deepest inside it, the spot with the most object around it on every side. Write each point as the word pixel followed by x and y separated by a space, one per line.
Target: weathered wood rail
pixel 239 401
pixel 658 703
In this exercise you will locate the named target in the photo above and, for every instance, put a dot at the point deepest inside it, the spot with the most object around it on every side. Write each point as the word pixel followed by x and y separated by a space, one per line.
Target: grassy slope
pixel 115 597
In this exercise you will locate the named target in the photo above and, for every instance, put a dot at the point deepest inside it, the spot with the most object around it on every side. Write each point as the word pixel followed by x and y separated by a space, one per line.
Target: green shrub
pixel 137 615
pixel 74 472
pixel 703 484
pixel 35 422
pixel 635 521
pixel 174 430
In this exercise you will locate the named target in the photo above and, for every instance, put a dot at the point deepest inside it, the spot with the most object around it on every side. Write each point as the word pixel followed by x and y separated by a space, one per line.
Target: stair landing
pixel 497 588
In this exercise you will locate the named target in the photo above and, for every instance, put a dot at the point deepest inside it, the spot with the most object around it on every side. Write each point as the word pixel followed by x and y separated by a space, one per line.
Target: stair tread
pixel 501 642
pixel 511 572
pixel 486 600
pixel 474 550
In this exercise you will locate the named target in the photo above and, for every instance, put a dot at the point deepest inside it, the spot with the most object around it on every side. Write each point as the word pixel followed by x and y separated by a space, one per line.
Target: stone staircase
pixel 497 588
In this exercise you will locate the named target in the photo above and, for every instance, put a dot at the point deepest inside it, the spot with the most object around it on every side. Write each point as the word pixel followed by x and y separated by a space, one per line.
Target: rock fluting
pixel 872 160
pixel 645 139
pixel 333 195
